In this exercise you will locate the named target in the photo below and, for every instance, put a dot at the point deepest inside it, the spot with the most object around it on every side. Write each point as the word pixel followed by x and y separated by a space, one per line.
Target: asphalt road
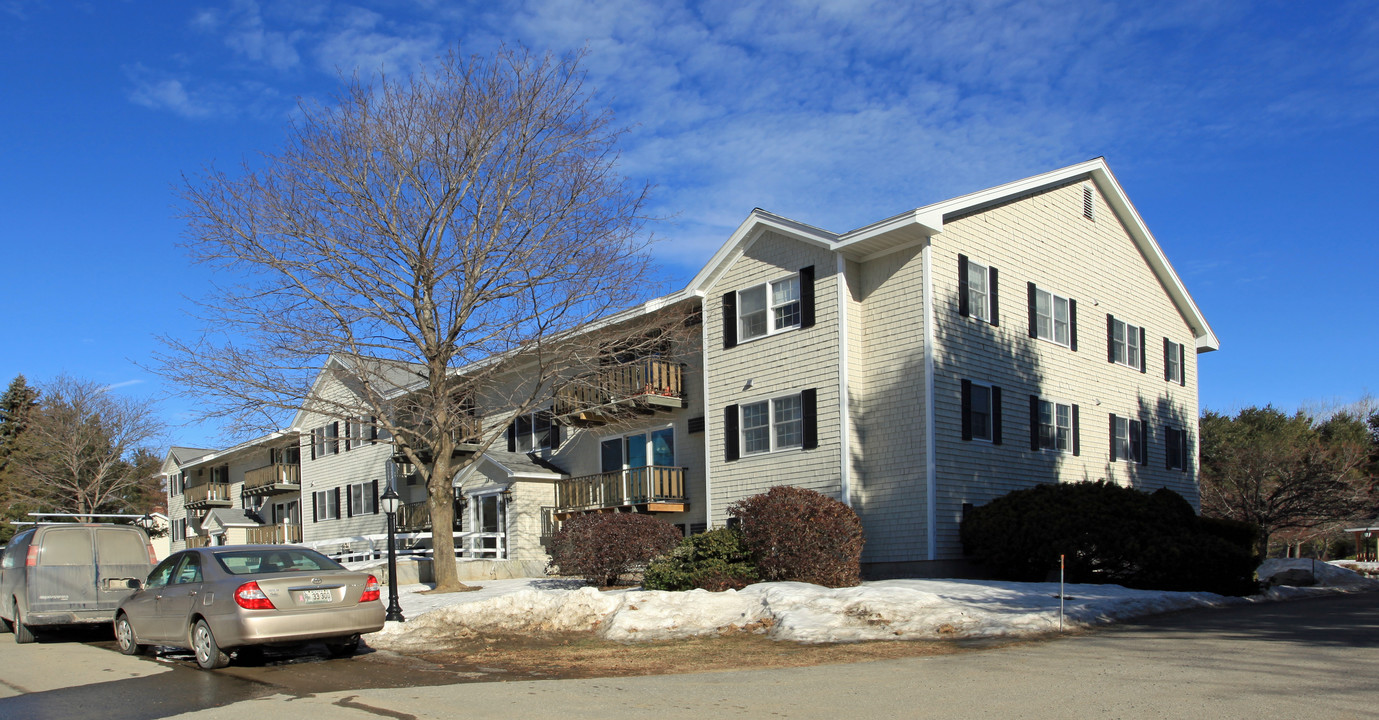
pixel 1310 658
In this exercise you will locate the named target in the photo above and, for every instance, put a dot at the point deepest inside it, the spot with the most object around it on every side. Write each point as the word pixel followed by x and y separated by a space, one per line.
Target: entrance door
pixel 491 522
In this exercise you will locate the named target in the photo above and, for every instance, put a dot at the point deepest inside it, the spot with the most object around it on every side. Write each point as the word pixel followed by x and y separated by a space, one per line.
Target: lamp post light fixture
pixel 390 501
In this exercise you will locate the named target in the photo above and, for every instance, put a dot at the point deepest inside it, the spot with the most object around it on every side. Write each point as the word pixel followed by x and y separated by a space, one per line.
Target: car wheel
pixel 344 647
pixel 22 633
pixel 208 654
pixel 124 636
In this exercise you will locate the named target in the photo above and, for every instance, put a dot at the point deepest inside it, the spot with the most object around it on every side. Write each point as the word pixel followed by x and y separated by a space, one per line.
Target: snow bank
pixel 1328 575
pixel 799 612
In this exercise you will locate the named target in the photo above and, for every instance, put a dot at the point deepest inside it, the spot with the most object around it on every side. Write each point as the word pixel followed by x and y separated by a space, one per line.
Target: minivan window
pixel 120 547
pixel 66 546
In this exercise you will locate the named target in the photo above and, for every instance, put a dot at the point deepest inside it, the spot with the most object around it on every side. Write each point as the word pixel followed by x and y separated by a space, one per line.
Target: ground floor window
pixel 489 537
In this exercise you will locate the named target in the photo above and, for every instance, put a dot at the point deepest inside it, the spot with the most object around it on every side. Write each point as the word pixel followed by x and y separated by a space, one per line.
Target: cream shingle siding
pixel 1045 239
pixel 778 364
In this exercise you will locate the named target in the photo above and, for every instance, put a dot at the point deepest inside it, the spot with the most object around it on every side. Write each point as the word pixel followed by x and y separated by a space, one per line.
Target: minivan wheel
pixel 124 636
pixel 22 633
pixel 208 654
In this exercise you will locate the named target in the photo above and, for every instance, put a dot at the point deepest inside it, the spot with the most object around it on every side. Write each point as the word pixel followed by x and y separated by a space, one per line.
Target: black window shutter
pixel 334 438
pixel 807 297
pixel 349 501
pixel 313 443
pixel 349 433
pixel 1072 325
pixel 995 415
pixel 1143 367
pixel 1182 368
pixel 729 320
pixel 991 291
pixel 1144 443
pixel 337 502
pixel 314 514
pixel 1110 338
pixel 809 410
pixel 512 436
pixel 963 308
pixel 1167 350
pixel 1170 451
pixel 1033 422
pixel 695 424
pixel 555 433
pixel 1077 434
pixel 1182 448
pixel 966 409
pixel 1033 313
pixel 730 438
pixel 375 497
pixel 1113 437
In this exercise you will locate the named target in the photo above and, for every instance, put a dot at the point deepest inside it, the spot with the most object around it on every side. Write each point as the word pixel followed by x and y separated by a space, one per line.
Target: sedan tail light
pixel 370 590
pixel 250 597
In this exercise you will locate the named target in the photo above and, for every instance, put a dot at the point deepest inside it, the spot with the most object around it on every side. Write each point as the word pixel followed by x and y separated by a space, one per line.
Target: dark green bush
pixel 602 547
pixel 716 560
pixel 798 534
pixel 1109 534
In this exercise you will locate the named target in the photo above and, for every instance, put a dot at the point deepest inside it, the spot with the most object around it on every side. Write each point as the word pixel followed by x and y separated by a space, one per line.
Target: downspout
pixel 930 462
pixel 845 477
pixel 708 415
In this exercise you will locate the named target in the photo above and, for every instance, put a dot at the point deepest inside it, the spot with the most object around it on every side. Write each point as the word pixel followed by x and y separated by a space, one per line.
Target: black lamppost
pixel 389 500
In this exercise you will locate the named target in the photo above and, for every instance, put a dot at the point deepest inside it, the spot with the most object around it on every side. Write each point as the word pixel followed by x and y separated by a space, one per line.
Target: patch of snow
pixel 800 612
pixel 1328 575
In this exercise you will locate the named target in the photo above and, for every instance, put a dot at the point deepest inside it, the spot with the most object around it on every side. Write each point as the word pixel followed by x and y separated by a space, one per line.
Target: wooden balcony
pixel 644 386
pixel 652 488
pixel 210 495
pixel 198 541
pixel 273 479
pixel 416 517
pixel 468 439
pixel 281 534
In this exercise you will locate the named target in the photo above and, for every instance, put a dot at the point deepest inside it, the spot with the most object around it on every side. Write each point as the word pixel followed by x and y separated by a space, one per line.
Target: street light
pixel 390 501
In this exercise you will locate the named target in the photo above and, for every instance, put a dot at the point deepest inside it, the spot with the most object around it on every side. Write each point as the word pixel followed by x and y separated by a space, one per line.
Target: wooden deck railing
pixel 634 486
pixel 281 534
pixel 271 475
pixel 197 541
pixel 208 494
pixel 416 517
pixel 651 378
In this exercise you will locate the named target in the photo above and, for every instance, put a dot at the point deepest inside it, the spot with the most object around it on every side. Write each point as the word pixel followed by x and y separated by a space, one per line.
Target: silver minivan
pixel 69 574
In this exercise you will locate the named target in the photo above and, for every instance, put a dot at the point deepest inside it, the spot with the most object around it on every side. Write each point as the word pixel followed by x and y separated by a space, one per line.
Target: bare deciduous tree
pixel 85 450
pixel 439 236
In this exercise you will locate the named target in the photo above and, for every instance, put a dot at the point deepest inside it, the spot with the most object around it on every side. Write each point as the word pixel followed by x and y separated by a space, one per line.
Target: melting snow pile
pixel 800 612
pixel 1328 576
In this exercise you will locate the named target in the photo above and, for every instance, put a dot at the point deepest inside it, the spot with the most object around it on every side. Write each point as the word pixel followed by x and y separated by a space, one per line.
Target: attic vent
pixel 1088 206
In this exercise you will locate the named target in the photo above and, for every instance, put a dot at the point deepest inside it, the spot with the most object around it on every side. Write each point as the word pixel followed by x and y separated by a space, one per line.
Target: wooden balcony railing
pixel 659 489
pixel 650 384
pixel 280 534
pixel 197 541
pixel 416 517
pixel 207 496
pixel 271 479
pixel 468 437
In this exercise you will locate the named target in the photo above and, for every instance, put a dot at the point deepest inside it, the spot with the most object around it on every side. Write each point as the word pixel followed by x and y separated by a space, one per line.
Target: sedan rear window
pixel 252 562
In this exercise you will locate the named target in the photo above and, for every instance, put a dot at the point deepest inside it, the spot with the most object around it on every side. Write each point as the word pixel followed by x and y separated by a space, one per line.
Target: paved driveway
pixel 1285 660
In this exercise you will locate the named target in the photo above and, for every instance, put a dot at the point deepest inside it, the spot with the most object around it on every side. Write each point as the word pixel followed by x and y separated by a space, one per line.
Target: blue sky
pixel 1245 134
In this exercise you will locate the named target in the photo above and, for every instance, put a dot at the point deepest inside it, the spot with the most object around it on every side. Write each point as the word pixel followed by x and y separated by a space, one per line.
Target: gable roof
pixel 913 227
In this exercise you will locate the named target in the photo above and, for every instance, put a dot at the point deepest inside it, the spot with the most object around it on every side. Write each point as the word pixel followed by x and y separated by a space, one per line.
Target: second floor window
pixel 1173 362
pixel 977 290
pixel 1055 426
pixel 774 424
pixel 1052 317
pixel 362 498
pixel 1126 342
pixel 531 432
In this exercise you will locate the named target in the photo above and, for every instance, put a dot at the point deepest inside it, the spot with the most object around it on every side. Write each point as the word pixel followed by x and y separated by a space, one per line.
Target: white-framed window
pixel 1127 343
pixel 1055 426
pixel 643 448
pixel 768 308
pixel 1052 317
pixel 1127 440
pixel 978 291
pixel 361 499
pixel 1173 361
pixel 534 431
pixel 774 424
pixel 327 504
pixel 488 515
pixel 978 412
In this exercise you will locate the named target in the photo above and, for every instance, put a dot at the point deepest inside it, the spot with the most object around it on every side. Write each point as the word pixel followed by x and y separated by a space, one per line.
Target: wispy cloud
pixel 122 384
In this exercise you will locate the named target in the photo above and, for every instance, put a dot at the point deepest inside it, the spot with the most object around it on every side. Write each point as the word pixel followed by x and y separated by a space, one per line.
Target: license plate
pixel 309 597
